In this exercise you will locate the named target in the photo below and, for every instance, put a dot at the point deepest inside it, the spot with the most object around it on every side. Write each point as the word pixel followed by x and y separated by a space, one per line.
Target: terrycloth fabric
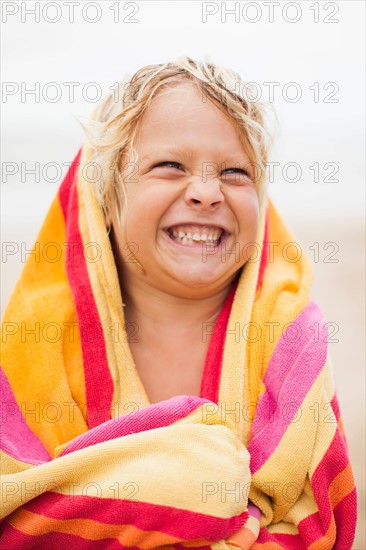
pixel 259 460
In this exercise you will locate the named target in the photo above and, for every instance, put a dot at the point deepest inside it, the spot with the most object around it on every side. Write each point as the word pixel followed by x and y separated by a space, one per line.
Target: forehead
pixel 182 101
pixel 182 114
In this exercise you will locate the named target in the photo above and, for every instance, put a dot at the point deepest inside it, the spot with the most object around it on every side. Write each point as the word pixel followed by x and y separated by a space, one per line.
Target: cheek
pixel 249 215
pixel 248 219
pixel 142 223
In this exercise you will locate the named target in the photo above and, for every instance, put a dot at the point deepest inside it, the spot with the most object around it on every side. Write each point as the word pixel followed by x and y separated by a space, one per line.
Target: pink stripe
pixel 13 539
pixel 175 522
pixel 210 384
pixel 96 368
pixel 16 438
pixel 291 372
pixel 154 416
pixel 254 511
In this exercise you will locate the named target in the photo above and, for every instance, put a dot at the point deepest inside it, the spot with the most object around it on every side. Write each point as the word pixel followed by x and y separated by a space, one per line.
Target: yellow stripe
pixel 46 403
pixel 235 350
pixel 10 465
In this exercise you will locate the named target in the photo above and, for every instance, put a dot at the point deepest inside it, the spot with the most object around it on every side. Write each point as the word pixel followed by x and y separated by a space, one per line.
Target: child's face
pixel 197 196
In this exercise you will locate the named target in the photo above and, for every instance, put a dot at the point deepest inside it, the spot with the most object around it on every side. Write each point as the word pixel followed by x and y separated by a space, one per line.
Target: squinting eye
pixel 166 163
pixel 241 171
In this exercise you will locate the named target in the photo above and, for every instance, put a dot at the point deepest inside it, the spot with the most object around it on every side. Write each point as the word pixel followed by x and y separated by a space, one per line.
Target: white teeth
pixel 185 235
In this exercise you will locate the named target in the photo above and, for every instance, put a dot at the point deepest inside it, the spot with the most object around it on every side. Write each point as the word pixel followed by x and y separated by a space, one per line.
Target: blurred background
pixel 306 58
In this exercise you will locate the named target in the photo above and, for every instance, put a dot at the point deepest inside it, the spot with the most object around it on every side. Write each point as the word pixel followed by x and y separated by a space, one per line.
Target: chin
pixel 195 279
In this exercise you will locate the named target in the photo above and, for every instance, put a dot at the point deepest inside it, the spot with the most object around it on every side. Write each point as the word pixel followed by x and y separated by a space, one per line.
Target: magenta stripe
pixel 291 372
pixel 16 438
pixel 183 524
pixel 154 416
pixel 98 397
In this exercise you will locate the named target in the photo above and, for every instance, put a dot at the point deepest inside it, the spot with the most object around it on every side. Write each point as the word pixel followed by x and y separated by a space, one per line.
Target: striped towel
pixel 259 460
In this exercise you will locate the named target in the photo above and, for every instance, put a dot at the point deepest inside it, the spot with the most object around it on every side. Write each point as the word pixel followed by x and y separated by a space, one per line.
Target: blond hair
pixel 115 123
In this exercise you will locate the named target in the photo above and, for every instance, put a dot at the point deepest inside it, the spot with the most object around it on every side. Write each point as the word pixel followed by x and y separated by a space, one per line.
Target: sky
pixel 305 58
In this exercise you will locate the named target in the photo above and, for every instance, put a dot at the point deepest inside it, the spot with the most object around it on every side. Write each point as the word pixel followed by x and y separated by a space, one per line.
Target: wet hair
pixel 113 129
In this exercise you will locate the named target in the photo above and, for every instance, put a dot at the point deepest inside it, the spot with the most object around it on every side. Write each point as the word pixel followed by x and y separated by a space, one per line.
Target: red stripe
pixel 98 396
pixel 264 256
pixel 154 416
pixel 182 524
pixel 347 508
pixel 210 384
pixel 13 539
pixel 337 413
pixel 334 461
pixel 67 184
pixel 16 438
pixel 335 407
pixel 315 526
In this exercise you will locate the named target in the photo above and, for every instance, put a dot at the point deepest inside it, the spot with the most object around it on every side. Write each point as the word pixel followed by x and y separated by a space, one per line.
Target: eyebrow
pixel 189 154
pixel 169 151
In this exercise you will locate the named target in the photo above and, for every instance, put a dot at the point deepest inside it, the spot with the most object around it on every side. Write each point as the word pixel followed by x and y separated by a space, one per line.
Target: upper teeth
pixel 196 233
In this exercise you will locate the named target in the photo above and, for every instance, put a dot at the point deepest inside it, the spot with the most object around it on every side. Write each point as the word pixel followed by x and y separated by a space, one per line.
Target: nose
pixel 204 194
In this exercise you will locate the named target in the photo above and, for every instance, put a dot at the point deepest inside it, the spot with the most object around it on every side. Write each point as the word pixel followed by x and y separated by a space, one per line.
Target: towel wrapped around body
pixel 258 460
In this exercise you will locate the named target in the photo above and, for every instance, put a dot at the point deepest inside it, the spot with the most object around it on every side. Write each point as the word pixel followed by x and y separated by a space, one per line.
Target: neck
pixel 167 314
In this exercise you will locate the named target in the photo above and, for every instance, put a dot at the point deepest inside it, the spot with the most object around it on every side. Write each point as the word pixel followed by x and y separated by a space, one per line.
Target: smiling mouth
pixel 196 240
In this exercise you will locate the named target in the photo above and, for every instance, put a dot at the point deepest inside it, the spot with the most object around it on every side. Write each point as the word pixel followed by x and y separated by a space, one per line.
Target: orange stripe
pixel 129 535
pixel 341 486
pixel 244 539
